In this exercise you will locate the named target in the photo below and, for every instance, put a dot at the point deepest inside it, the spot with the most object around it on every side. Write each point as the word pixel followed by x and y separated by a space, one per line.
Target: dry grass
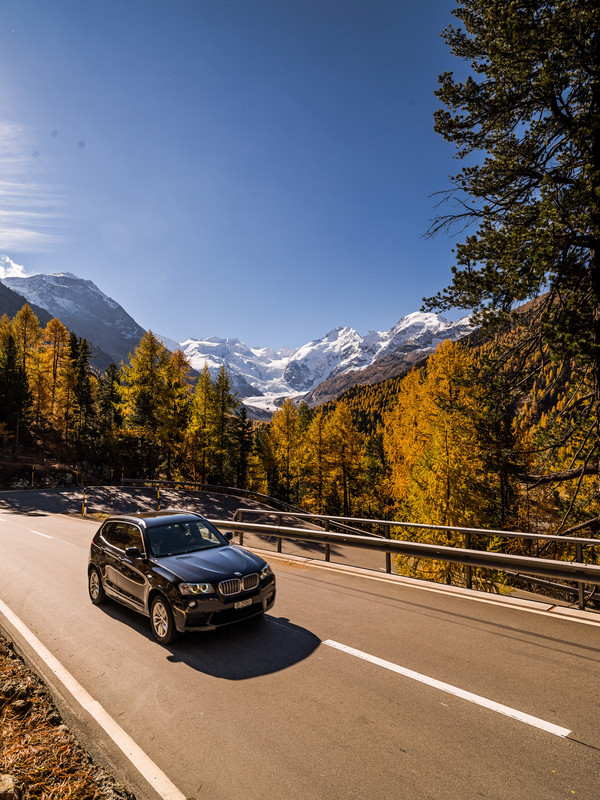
pixel 37 749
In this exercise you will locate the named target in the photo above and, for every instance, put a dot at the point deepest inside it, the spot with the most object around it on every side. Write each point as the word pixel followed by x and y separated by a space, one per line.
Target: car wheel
pixel 161 620
pixel 95 588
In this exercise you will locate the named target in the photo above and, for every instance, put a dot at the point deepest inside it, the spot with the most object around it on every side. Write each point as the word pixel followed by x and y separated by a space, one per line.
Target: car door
pixel 122 573
pixel 131 572
pixel 112 553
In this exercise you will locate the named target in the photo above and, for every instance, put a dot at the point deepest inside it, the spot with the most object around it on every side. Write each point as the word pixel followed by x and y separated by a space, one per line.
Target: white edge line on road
pixel 45 535
pixel 549 727
pixel 143 763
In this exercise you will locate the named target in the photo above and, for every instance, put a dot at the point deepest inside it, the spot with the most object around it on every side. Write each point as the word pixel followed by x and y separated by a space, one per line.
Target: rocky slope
pixel 83 309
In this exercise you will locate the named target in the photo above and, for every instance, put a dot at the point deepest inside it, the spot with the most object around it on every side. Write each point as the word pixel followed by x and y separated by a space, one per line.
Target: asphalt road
pixel 126 500
pixel 274 708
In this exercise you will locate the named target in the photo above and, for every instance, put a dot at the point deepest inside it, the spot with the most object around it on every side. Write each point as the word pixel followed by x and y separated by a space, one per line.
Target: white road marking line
pixel 45 535
pixel 549 727
pixel 142 762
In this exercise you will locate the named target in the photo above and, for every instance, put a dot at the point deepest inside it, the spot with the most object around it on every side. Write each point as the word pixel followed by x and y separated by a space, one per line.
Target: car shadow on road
pixel 245 650
pixel 258 646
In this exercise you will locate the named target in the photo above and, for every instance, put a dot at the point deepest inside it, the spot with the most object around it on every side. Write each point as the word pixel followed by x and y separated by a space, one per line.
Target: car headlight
pixel 195 588
pixel 265 572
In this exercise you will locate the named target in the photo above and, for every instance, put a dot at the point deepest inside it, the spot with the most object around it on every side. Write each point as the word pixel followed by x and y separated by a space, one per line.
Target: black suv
pixel 179 570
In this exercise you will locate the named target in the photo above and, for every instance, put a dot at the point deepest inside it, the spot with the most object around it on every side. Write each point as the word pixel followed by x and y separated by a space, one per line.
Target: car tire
pixel 95 588
pixel 162 623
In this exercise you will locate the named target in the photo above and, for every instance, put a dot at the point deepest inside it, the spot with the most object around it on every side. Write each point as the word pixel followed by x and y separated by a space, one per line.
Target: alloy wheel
pixel 160 619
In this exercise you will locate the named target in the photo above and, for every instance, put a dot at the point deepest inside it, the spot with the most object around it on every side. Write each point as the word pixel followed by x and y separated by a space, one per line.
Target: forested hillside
pixel 466 438
pixel 141 418
pixel 462 438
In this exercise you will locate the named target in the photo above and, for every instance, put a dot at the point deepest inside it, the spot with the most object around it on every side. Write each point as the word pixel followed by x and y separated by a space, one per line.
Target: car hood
pixel 212 564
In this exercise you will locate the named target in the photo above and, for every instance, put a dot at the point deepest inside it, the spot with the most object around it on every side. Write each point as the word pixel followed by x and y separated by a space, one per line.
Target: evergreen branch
pixel 588 523
pixel 554 445
pixel 579 482
pixel 558 477
pixel 572 404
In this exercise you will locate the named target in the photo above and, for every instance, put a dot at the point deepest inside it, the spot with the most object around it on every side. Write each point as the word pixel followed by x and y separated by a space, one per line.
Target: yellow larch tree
pixel 436 462
pixel 286 442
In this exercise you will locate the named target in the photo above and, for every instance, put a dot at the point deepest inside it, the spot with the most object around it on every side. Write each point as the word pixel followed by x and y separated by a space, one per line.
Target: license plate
pixel 243 603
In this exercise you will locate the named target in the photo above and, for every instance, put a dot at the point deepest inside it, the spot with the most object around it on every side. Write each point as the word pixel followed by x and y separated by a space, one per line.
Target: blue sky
pixel 258 169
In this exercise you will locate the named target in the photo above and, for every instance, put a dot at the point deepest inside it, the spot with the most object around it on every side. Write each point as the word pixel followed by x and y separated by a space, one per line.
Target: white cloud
pixel 10 269
pixel 31 205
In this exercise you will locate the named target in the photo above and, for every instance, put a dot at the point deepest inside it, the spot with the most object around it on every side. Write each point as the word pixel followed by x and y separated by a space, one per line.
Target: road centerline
pixel 39 533
pixel 492 705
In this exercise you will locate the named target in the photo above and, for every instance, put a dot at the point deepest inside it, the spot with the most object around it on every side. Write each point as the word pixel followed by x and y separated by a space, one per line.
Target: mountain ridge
pixel 317 371
pixel 84 309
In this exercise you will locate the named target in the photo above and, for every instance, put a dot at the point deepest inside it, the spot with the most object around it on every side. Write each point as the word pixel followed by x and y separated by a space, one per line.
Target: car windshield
pixel 183 537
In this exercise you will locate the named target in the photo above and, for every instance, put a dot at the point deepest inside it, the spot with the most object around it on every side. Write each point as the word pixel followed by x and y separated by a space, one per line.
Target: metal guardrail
pixel 576 570
pixel 241 512
pixel 519 566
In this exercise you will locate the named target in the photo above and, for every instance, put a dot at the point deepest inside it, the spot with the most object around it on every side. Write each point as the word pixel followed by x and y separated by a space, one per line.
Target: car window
pixel 110 534
pixel 132 537
pixel 183 537
pixel 122 535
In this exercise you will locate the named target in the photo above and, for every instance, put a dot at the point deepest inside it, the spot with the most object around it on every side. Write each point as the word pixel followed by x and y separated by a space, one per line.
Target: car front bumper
pixel 213 612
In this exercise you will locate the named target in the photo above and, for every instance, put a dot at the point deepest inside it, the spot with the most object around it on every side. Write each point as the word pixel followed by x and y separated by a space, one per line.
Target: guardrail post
pixel 469 569
pixel 241 513
pixel 83 505
pixel 580 584
pixel 158 498
pixel 387 532
pixel 327 545
pixel 279 522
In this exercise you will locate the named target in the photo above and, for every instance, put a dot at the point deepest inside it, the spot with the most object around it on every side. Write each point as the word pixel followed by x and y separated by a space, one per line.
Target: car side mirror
pixel 228 535
pixel 133 552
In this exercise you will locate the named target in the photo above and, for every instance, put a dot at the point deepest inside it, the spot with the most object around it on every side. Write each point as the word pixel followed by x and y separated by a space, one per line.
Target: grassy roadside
pixel 36 748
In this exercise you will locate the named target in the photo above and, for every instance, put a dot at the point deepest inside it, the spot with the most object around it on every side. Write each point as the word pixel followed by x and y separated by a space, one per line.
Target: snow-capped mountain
pixel 84 309
pixel 262 376
pixel 319 370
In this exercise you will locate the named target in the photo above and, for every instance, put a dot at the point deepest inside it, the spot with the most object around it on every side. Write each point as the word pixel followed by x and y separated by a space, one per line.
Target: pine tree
pixel 225 404
pixel 528 119
pixel 26 331
pixel 5 329
pixel 83 391
pixel 144 393
pixel 15 398
pixel 110 417
pixel 242 435
pixel 201 434
pixel 175 410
